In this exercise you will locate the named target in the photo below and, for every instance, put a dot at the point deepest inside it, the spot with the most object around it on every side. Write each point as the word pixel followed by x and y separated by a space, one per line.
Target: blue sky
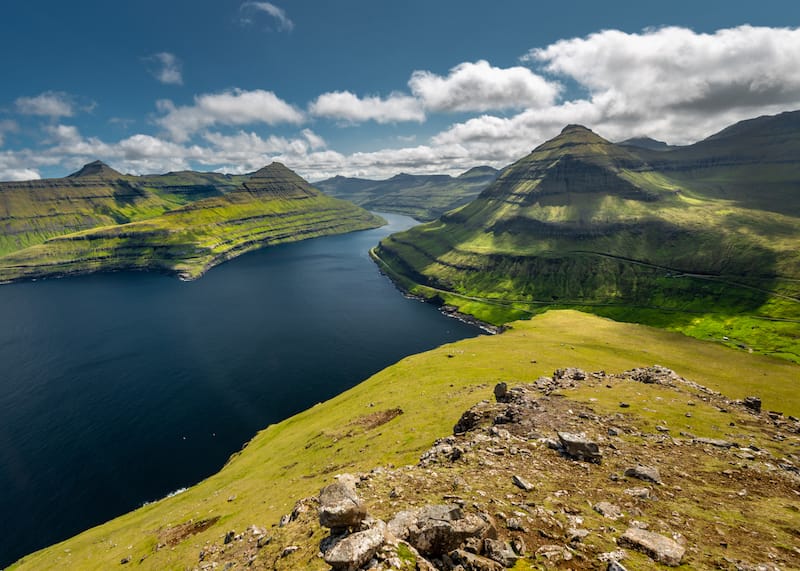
pixel 373 88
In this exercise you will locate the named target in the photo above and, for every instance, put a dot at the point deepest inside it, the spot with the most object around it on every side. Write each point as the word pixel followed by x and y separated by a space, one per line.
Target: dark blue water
pixel 117 389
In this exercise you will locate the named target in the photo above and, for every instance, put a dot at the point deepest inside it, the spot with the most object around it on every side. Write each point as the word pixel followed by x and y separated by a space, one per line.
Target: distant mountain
pixel 424 197
pixel 704 239
pixel 647 143
pixel 98 219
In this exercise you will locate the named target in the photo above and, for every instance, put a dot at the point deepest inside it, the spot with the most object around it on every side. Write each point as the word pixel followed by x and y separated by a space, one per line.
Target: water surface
pixel 116 389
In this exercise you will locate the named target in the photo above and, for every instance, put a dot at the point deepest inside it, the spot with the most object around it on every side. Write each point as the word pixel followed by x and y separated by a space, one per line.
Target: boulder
pixel 440 529
pixel 658 547
pixel 354 550
pixel 646 473
pixel 500 551
pixel 522 483
pixel 500 392
pixel 753 403
pixel 471 562
pixel 340 506
pixel 576 445
pixel 608 510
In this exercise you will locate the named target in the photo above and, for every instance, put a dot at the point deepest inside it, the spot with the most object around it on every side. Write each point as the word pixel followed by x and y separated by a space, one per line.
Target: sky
pixel 373 88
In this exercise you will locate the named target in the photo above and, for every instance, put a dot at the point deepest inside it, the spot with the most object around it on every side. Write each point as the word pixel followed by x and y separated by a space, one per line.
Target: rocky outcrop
pixel 657 547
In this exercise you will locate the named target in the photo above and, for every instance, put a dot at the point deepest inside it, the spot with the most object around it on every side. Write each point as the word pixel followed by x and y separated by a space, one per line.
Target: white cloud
pixel 168 68
pixel 314 140
pixel 278 14
pixel 18 174
pixel 235 107
pixel 7 126
pixel 52 104
pixel 348 107
pixel 480 87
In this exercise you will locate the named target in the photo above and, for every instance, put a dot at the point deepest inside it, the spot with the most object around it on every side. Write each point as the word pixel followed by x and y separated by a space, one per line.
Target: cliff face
pixel 629 232
pixel 180 223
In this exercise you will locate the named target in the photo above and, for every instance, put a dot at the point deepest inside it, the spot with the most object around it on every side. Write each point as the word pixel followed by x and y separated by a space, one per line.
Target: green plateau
pixel 423 197
pixel 702 239
pixel 295 458
pixel 181 223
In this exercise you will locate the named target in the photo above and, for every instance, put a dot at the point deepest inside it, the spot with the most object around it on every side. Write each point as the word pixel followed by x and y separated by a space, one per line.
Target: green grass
pixel 199 221
pixel 296 457
pixel 567 226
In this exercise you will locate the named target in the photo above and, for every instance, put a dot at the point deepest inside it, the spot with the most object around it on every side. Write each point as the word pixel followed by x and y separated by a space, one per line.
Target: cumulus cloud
pixel 278 14
pixel 479 86
pixel 166 68
pixel 348 107
pixel 52 104
pixel 235 107
pixel 7 126
pixel 18 174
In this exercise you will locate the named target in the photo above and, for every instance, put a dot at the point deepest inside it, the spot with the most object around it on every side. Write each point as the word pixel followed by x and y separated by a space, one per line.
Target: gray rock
pixel 715 442
pixel 356 549
pixel 658 547
pixel 442 528
pixel 646 473
pixel 287 551
pixel 500 551
pixel 522 483
pixel 515 524
pixel 615 566
pixel 608 510
pixel 579 447
pixel 229 537
pixel 472 562
pixel 500 392
pixel 340 506
pixel 643 493
pixel 753 403
pixel 401 523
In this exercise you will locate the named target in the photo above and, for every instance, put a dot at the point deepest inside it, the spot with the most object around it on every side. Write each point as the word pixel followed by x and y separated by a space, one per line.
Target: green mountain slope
pixel 703 239
pixel 294 458
pixel 424 197
pixel 182 223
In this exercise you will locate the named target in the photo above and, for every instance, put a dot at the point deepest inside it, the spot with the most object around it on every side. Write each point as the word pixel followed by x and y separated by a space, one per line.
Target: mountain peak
pixel 273 169
pixel 97 169
pixel 575 128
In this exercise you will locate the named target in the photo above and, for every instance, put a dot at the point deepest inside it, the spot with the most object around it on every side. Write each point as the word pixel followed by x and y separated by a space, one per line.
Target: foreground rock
pixel 340 506
pixel 657 547
pixel 579 447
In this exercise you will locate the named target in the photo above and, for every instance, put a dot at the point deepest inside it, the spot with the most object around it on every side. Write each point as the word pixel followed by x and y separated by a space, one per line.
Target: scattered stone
pixel 340 506
pixel 613 431
pixel 624 405
pixel 662 428
pixel 643 493
pixel 646 473
pixel 263 541
pixel 500 551
pixel 522 483
pixel 514 524
pixel 229 537
pixel 472 562
pixel 287 551
pixel 356 549
pixel 753 403
pixel 579 447
pixel 608 510
pixel 125 560
pixel 715 442
pixel 658 547
pixel 501 392
pixel 615 566
pixel 554 553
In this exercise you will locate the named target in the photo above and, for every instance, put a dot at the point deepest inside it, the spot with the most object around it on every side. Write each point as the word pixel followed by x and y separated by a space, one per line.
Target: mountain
pixel 704 239
pixel 424 197
pixel 647 143
pixel 182 223
pixel 715 457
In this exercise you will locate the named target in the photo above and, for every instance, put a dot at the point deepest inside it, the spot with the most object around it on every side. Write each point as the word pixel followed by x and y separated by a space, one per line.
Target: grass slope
pixel 424 197
pixel 182 223
pixel 294 458
pixel 702 239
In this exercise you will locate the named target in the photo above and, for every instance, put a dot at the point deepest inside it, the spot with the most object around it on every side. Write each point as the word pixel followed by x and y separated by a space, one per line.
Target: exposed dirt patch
pixel 376 419
pixel 172 536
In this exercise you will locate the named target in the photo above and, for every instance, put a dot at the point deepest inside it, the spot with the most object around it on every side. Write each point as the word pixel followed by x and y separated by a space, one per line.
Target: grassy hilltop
pixel 183 223
pixel 294 458
pixel 703 239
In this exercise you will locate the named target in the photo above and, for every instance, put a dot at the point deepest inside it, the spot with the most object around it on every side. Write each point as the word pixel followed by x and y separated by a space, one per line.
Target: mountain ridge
pixel 678 238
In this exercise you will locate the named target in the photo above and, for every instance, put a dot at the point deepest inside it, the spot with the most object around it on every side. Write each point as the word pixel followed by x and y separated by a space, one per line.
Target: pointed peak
pixel 272 170
pixel 97 169
pixel 575 128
